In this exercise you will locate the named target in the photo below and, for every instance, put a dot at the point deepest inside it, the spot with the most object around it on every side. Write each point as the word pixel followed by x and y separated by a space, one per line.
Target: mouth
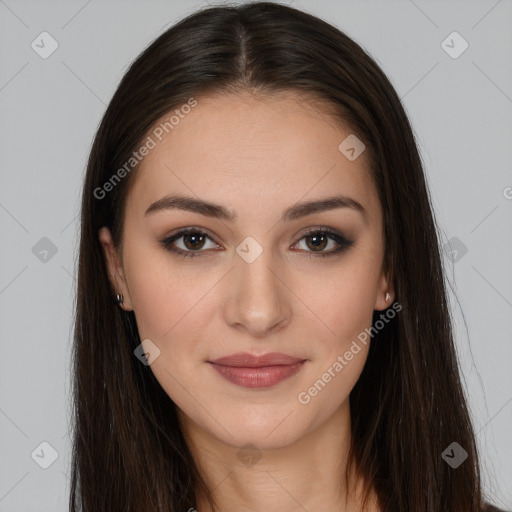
pixel 262 371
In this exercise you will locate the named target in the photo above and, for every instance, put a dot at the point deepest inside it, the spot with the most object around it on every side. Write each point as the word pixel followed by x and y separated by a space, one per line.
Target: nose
pixel 257 299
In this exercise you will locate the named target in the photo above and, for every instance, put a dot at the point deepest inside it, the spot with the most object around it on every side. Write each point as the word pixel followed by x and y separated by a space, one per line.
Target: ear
pixel 114 268
pixel 385 286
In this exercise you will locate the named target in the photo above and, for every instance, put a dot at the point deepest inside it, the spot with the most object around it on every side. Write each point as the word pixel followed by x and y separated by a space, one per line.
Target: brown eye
pixel 316 242
pixel 188 242
pixel 193 240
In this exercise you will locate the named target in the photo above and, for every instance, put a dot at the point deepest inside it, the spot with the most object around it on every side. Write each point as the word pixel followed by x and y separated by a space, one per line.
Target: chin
pixel 258 440
pixel 265 431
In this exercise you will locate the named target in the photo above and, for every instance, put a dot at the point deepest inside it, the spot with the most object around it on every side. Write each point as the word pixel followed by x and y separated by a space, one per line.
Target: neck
pixel 307 474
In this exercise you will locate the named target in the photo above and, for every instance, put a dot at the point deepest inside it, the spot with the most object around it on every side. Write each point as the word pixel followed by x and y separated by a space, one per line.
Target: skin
pixel 257 157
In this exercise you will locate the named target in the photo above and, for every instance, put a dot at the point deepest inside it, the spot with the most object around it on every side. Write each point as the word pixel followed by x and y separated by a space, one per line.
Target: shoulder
pixel 487 507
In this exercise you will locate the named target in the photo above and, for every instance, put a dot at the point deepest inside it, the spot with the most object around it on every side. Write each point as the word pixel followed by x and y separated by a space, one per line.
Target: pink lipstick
pixel 262 371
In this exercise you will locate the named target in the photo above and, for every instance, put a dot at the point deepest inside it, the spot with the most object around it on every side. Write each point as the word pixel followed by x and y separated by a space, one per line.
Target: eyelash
pixel 344 243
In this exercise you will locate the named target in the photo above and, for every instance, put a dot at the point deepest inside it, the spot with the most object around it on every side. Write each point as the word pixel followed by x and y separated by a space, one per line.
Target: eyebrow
pixel 218 211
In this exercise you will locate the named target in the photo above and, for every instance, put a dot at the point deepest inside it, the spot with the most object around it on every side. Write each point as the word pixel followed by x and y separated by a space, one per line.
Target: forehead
pixel 249 152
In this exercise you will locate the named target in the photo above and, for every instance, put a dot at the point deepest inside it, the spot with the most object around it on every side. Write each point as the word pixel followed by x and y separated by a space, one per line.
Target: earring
pixel 118 299
pixel 388 297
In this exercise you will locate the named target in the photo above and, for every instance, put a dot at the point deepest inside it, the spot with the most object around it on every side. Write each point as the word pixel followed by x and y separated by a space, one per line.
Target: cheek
pixel 172 300
pixel 345 306
pixel 167 305
pixel 343 299
pixel 165 294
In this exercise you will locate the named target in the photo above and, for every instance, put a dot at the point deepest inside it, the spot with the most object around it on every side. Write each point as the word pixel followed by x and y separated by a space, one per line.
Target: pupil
pixel 318 240
pixel 195 237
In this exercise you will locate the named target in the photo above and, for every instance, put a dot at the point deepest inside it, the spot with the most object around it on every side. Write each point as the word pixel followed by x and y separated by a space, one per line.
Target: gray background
pixel 460 109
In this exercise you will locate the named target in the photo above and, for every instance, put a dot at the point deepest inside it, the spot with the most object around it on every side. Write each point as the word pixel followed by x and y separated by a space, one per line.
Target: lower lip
pixel 262 377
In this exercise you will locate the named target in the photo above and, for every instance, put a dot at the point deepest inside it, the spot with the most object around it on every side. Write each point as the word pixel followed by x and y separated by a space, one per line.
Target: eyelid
pixel 316 228
pixel 191 229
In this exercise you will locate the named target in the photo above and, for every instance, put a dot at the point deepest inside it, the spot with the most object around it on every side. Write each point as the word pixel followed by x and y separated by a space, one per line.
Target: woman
pixel 280 336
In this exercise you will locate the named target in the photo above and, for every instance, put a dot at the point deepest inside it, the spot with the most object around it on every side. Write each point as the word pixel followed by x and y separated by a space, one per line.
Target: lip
pixel 251 371
pixel 248 360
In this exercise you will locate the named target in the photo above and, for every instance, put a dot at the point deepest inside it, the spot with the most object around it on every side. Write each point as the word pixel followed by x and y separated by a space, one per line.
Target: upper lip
pixel 248 360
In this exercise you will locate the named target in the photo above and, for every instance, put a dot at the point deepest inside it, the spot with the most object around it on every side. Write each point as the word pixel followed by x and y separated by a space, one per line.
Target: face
pixel 258 272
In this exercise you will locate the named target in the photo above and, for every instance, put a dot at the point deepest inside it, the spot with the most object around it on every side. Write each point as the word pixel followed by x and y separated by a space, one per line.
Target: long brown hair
pixel 408 405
